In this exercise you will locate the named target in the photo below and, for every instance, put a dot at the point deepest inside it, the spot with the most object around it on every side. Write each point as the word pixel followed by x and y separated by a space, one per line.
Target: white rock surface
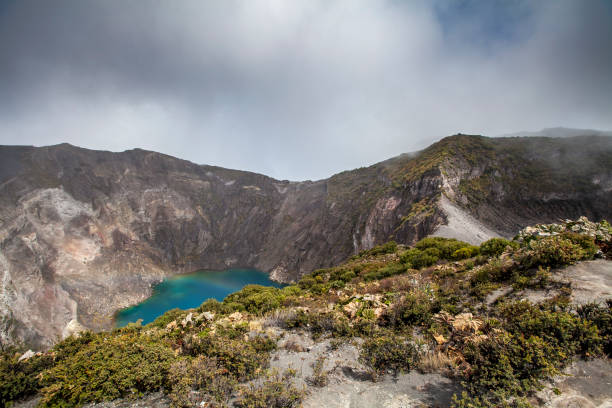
pixel 28 354
pixel 73 328
pixel 461 225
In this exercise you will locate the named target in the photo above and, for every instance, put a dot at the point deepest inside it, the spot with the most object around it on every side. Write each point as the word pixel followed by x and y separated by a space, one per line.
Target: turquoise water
pixel 190 290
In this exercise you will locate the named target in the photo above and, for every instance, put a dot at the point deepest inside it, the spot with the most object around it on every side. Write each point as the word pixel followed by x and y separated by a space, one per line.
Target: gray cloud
pixel 297 89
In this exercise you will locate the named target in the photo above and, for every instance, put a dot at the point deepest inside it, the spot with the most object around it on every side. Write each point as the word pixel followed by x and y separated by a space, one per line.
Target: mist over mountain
pixel 302 89
pixel 560 132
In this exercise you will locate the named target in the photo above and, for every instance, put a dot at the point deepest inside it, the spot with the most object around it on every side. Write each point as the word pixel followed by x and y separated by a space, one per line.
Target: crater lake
pixel 190 290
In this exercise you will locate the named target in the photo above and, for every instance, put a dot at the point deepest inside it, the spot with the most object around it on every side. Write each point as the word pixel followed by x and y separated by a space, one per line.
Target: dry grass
pixel 438 362
pixel 399 283
pixel 278 317
pixel 293 345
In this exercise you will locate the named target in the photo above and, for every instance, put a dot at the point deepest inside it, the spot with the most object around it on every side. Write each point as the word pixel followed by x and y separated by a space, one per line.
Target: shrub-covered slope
pixel 435 307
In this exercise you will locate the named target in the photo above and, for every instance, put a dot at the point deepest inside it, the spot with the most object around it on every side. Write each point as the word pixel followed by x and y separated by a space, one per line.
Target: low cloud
pixel 298 89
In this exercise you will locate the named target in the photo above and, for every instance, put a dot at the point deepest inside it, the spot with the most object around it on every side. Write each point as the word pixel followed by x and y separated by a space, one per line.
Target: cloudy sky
pixel 298 89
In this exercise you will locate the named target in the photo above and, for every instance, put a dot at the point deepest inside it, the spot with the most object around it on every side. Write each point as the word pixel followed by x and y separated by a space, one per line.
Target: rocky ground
pixel 584 384
pixel 591 281
pixel 346 383
pixel 461 225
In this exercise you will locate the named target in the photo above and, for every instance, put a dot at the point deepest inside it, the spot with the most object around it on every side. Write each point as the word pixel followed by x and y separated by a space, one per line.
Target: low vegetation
pixel 413 308
pixel 388 352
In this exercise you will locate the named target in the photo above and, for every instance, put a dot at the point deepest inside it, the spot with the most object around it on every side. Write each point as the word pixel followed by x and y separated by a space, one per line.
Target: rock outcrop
pixel 84 233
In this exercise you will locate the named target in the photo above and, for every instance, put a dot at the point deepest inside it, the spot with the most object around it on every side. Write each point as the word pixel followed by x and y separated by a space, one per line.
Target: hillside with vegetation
pixel 85 233
pixel 493 322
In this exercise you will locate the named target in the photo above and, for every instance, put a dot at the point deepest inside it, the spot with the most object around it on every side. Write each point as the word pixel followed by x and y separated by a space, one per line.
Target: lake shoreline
pixel 186 291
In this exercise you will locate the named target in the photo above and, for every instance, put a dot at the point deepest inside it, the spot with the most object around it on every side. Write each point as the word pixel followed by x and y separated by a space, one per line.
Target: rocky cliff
pixel 84 233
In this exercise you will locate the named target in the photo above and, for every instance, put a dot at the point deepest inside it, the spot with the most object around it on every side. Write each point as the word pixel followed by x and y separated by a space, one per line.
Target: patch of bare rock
pixel 461 225
pixel 590 281
pixel 584 384
pixel 343 382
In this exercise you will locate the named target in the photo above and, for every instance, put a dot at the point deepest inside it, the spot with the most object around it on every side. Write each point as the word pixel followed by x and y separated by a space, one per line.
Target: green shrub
pixel 320 323
pixel 242 359
pixel 493 271
pixel 385 272
pixel 540 252
pixel 567 332
pixel 109 367
pixel 466 252
pixel 447 300
pixel 445 246
pixel 508 365
pixel 319 289
pixel 20 379
pixel 348 276
pixel 338 284
pixel 416 258
pixel 536 279
pixel 553 251
pixel 291 290
pixel 342 275
pixel 537 342
pixel 388 352
pixel 72 345
pixel 386 248
pixel 275 392
pixel 316 282
pixel 329 323
pixel 201 373
pixel 429 257
pixel 496 246
pixel 520 282
pixel 413 309
pixel 600 316
pixel 181 378
pixel 320 377
pixel 213 305
pixel 468 401
pixel 171 315
pixel 584 241
pixel 364 327
pixel 255 299
pixel 307 282
pixel 408 255
pixel 298 320
pixel 232 331
pixel 482 289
